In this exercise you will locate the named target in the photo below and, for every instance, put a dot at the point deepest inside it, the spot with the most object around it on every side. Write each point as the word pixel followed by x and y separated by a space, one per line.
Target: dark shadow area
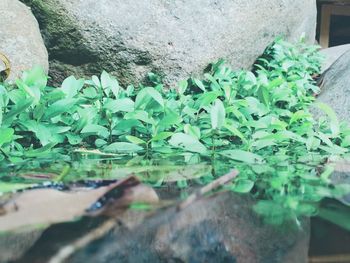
pixel 339 29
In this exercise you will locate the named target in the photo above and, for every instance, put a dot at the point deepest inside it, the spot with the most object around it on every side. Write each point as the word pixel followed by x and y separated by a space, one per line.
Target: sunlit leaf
pixel 217 114
pixel 242 156
pixel 187 142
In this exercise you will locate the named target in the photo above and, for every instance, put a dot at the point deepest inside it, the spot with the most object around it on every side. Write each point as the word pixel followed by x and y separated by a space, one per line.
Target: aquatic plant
pixel 256 121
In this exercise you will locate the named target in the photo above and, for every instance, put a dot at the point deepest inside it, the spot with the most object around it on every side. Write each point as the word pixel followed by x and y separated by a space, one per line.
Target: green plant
pixel 258 121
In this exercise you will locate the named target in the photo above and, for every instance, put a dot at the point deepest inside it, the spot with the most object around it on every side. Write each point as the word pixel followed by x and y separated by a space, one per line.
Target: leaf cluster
pixel 258 121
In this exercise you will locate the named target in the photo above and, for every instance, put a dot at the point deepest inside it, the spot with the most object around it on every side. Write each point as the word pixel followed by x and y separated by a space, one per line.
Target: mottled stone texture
pixel 174 38
pixel 221 229
pixel 332 54
pixel 20 38
pixel 335 90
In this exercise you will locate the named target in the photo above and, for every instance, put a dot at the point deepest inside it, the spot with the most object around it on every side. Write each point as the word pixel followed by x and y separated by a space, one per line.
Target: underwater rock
pixel 222 228
pixel 20 39
pixel 171 38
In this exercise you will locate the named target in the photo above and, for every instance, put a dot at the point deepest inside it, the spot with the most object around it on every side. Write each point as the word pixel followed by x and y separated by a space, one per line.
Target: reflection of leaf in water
pixel 166 173
pixel 335 213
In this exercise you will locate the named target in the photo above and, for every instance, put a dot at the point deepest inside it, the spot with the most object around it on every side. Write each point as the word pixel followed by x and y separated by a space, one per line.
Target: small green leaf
pixel 109 83
pixel 162 136
pixel 6 135
pixel 187 142
pixel 243 186
pixel 199 84
pixel 123 147
pixel 192 130
pixel 60 107
pixel 71 86
pixel 217 115
pixel 125 104
pixel 144 96
pixel 183 84
pixel 242 156
pixel 95 129
pixel 134 139
pixel 334 122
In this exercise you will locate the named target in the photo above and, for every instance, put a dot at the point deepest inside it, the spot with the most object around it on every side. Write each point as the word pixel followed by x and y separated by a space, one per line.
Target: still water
pixel 83 210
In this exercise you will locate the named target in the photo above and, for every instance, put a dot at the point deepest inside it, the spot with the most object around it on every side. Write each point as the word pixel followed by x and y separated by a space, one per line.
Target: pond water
pixel 85 210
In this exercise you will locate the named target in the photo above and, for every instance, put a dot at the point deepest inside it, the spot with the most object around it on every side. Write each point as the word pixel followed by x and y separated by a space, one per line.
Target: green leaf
pixel 33 92
pixel 235 132
pixel 144 96
pixel 183 84
pixel 125 104
pixel 214 84
pixel 242 156
pixel 334 122
pixel 194 131
pixel 60 107
pixel 35 77
pixel 42 132
pixel 217 115
pixel 135 140
pixel 243 186
pixel 6 135
pixel 95 129
pixel 73 139
pixel 17 109
pixel 162 136
pixel 199 84
pixel 140 115
pixel 206 99
pixel 264 96
pixel 90 92
pixel 187 142
pixel 40 152
pixel 123 147
pixel 170 118
pixel 110 83
pixel 71 86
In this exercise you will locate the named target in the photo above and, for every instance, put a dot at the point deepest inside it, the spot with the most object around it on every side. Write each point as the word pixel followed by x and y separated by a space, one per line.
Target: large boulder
pixel 20 38
pixel 335 88
pixel 220 228
pixel 332 54
pixel 173 38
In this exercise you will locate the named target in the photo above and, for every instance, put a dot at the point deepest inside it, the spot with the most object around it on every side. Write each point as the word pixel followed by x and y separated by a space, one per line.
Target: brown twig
pixel 209 187
pixel 64 253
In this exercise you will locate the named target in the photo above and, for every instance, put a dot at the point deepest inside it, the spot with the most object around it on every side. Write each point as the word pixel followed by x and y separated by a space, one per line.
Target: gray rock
pixel 222 228
pixel 20 38
pixel 335 88
pixel 332 54
pixel 174 38
pixel 13 245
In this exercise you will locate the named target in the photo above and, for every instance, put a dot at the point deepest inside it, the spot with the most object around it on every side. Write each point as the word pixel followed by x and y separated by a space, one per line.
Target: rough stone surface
pixel 335 90
pixel 174 38
pixel 13 245
pixel 221 228
pixel 332 54
pixel 20 38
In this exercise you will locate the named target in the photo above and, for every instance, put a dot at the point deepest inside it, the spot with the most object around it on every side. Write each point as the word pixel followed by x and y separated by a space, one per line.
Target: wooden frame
pixel 340 8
